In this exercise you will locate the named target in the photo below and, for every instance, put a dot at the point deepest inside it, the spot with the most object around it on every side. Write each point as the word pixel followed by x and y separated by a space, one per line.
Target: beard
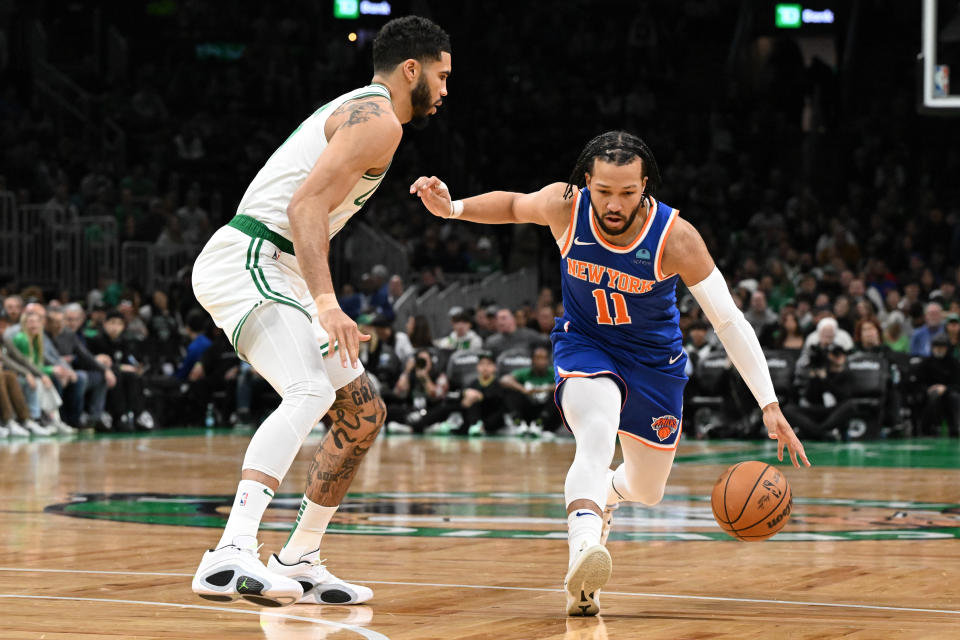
pixel 421 104
pixel 599 219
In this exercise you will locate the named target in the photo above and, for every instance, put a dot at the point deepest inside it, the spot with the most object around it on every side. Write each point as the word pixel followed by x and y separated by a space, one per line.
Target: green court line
pixel 916 453
pixel 206 511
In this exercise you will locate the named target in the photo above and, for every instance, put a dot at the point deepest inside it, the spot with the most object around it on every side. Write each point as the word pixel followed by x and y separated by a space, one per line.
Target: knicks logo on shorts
pixel 665 426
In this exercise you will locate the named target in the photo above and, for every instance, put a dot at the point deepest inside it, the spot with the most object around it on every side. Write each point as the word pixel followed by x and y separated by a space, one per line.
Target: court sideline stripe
pixel 540 589
pixel 366 633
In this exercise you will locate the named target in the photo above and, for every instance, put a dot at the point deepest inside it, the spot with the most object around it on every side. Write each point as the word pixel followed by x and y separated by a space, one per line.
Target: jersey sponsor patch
pixel 664 426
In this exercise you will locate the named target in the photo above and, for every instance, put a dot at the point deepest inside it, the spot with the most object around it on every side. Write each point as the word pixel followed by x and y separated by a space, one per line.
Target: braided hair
pixel 619 148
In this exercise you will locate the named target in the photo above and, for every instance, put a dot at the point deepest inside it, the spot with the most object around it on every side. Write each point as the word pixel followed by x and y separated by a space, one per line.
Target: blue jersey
pixel 621 321
pixel 617 296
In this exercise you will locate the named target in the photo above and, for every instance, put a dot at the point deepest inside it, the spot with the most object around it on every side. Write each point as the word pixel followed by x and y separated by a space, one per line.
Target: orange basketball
pixel 752 501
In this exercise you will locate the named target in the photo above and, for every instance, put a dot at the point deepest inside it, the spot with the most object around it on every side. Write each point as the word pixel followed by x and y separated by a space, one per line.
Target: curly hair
pixel 405 38
pixel 618 147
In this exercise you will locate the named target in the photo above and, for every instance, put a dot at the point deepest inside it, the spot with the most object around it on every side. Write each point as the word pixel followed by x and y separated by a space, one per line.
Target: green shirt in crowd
pixel 33 349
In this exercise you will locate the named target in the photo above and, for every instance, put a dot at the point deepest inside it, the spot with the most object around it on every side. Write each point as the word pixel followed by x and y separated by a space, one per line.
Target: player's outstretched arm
pixel 546 207
pixel 687 255
pixel 366 137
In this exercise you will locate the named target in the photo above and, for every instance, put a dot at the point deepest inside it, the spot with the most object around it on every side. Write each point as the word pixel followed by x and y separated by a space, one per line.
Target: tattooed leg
pixel 355 420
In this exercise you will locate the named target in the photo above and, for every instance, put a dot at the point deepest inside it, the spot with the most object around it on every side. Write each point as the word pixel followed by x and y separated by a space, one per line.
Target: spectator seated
pixel 869 373
pixel 708 394
pixel 782 364
pixel 462 369
pixel 513 359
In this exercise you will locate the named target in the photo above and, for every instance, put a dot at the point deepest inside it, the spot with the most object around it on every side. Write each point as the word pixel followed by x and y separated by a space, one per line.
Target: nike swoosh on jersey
pixel 676 357
pixel 576 240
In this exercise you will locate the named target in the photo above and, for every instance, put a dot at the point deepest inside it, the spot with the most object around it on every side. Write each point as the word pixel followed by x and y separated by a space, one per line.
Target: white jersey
pixel 267 197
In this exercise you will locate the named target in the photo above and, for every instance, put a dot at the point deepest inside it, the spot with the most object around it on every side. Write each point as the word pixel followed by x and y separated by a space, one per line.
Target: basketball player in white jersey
pixel 266 281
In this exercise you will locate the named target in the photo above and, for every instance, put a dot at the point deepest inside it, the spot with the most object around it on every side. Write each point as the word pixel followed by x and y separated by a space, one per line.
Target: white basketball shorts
pixel 245 265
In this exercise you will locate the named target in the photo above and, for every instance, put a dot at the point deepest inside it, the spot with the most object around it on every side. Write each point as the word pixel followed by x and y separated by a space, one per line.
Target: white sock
pixel 312 521
pixel 249 504
pixel 583 530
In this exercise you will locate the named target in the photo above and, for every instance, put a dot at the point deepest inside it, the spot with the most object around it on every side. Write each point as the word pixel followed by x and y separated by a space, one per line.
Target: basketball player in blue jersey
pixel 265 279
pixel 618 356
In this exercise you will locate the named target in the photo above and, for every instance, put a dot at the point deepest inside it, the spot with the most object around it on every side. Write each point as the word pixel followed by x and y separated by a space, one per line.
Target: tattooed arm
pixel 355 420
pixel 362 134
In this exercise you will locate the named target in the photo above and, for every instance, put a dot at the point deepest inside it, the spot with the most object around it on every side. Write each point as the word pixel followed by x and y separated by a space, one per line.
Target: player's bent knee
pixel 642 490
pixel 357 410
pixel 649 496
pixel 316 392
pixel 646 496
pixel 597 448
pixel 370 418
pixel 318 387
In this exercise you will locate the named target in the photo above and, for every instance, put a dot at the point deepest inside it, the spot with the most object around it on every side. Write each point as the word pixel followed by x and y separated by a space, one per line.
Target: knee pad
pixel 309 400
pixel 592 410
pixel 276 443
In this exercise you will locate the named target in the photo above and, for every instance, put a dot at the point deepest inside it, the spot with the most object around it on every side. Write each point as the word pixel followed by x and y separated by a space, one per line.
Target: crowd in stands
pixel 829 204
pixel 848 360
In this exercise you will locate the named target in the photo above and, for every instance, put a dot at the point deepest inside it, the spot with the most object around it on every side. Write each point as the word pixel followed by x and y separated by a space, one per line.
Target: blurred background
pixel 795 137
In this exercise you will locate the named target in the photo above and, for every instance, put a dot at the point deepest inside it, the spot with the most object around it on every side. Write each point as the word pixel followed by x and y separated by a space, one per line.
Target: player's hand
pixel 780 430
pixel 342 331
pixel 434 195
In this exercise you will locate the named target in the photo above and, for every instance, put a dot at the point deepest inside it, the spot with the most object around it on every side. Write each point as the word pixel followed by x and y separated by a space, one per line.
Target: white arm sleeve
pixel 736 334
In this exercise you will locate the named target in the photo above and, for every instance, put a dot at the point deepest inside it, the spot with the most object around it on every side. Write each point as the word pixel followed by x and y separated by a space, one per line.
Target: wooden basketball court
pixel 465 539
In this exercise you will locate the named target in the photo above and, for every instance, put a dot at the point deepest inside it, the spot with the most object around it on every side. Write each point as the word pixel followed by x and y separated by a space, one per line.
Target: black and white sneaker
pixel 230 572
pixel 319 585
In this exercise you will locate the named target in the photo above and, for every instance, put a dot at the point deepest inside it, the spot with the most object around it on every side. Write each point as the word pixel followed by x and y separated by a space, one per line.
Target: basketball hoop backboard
pixel 936 96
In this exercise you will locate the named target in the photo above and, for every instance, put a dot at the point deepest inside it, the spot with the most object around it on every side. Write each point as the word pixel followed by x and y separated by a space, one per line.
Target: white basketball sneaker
pixel 319 585
pixel 588 572
pixel 230 572
pixel 37 429
pixel 17 429
pixel 62 427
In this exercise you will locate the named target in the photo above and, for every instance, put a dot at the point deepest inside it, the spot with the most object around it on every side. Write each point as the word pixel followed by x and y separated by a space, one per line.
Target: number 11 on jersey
pixel 621 315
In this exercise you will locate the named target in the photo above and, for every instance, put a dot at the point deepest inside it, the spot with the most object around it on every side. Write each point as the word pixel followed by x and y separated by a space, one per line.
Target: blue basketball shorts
pixel 652 407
